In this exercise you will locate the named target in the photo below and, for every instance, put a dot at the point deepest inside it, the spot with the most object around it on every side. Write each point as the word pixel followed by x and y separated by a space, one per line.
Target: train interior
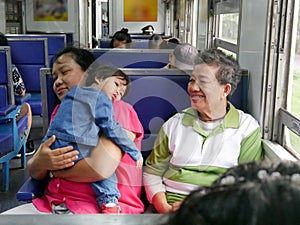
pixel 262 91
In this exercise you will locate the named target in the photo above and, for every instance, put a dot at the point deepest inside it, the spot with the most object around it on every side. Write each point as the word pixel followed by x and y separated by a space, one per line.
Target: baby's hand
pixel 139 163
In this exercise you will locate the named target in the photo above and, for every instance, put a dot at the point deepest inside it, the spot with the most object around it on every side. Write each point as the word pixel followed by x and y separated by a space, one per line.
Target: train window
pixel 292 140
pixel 227 52
pixel 228 27
pixel 225 24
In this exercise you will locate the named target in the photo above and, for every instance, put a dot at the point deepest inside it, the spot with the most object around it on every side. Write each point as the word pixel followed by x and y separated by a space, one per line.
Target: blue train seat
pixel 55 42
pixel 155 94
pixel 13 133
pixel 104 43
pixel 133 58
pixel 142 43
pixel 29 55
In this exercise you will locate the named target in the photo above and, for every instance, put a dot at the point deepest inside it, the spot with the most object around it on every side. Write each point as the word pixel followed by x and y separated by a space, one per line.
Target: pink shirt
pixel 80 197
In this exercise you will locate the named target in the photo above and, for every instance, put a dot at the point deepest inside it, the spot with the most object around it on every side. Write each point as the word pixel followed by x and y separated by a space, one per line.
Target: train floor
pixel 18 175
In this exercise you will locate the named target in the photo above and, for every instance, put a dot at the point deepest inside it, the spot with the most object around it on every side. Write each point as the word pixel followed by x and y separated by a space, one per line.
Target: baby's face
pixel 114 87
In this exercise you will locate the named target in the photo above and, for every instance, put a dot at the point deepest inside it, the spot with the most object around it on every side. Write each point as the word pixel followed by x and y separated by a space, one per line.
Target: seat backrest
pixel 144 44
pixel 104 43
pixel 133 58
pixel 29 55
pixel 6 87
pixel 240 96
pixel 49 98
pixel 137 43
pixel 55 42
pixel 156 95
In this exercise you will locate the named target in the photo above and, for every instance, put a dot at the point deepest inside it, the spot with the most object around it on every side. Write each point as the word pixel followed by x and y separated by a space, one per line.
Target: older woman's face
pixel 206 94
pixel 66 74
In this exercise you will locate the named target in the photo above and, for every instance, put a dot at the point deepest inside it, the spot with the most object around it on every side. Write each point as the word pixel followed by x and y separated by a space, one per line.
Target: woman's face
pixel 207 96
pixel 66 74
pixel 119 44
pixel 114 87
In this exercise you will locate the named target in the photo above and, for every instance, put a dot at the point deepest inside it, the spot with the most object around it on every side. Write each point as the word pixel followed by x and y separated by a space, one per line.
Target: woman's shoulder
pixel 188 115
pixel 248 121
pixel 122 104
pixel 242 117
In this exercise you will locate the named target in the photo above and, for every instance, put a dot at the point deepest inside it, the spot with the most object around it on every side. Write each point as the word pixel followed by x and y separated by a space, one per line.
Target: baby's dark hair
pixel 105 71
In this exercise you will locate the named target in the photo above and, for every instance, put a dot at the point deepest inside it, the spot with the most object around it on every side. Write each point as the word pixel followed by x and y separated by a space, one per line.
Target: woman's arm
pixel 160 203
pixel 101 164
pixel 46 159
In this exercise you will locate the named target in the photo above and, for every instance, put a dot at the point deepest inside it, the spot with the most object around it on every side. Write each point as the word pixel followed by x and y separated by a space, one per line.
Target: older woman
pixel 198 144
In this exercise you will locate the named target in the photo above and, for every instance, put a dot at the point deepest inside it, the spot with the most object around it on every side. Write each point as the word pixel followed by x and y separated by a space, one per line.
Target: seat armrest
pixel 31 189
pixel 7 109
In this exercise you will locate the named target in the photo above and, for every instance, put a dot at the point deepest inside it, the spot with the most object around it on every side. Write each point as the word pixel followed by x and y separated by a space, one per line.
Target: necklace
pixel 208 120
pixel 216 119
pixel 211 120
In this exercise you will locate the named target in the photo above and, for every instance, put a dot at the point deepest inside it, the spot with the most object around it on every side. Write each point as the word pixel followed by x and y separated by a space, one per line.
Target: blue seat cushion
pixel 35 103
pixel 3 94
pixel 6 136
pixel 5 144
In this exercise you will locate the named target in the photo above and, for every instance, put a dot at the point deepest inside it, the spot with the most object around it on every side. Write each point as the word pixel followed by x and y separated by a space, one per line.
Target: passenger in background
pixel 249 194
pixel 148 30
pixel 121 39
pixel 175 41
pixel 154 41
pixel 182 57
pixel 20 90
pixel 197 145
pixel 169 44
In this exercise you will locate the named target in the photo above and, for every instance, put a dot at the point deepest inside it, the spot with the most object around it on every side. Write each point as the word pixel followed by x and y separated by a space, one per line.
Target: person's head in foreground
pixel 250 194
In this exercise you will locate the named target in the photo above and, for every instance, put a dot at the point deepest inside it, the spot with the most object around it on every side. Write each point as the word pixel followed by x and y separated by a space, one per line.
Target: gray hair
pixel 229 71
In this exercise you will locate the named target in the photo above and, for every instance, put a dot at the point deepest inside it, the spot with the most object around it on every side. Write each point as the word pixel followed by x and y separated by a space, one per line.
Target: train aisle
pixel 18 175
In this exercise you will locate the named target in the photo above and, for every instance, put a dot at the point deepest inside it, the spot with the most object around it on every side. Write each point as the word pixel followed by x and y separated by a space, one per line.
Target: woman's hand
pixel 101 164
pixel 160 203
pixel 176 206
pixel 46 159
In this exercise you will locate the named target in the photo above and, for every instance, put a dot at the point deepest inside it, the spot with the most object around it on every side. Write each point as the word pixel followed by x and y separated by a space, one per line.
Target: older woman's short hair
pixel 229 71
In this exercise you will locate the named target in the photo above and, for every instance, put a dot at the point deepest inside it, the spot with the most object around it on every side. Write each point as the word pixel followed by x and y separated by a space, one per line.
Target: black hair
pixel 105 71
pixel 3 40
pixel 267 194
pixel 83 57
pixel 121 35
pixel 168 45
pixel 154 41
pixel 174 41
